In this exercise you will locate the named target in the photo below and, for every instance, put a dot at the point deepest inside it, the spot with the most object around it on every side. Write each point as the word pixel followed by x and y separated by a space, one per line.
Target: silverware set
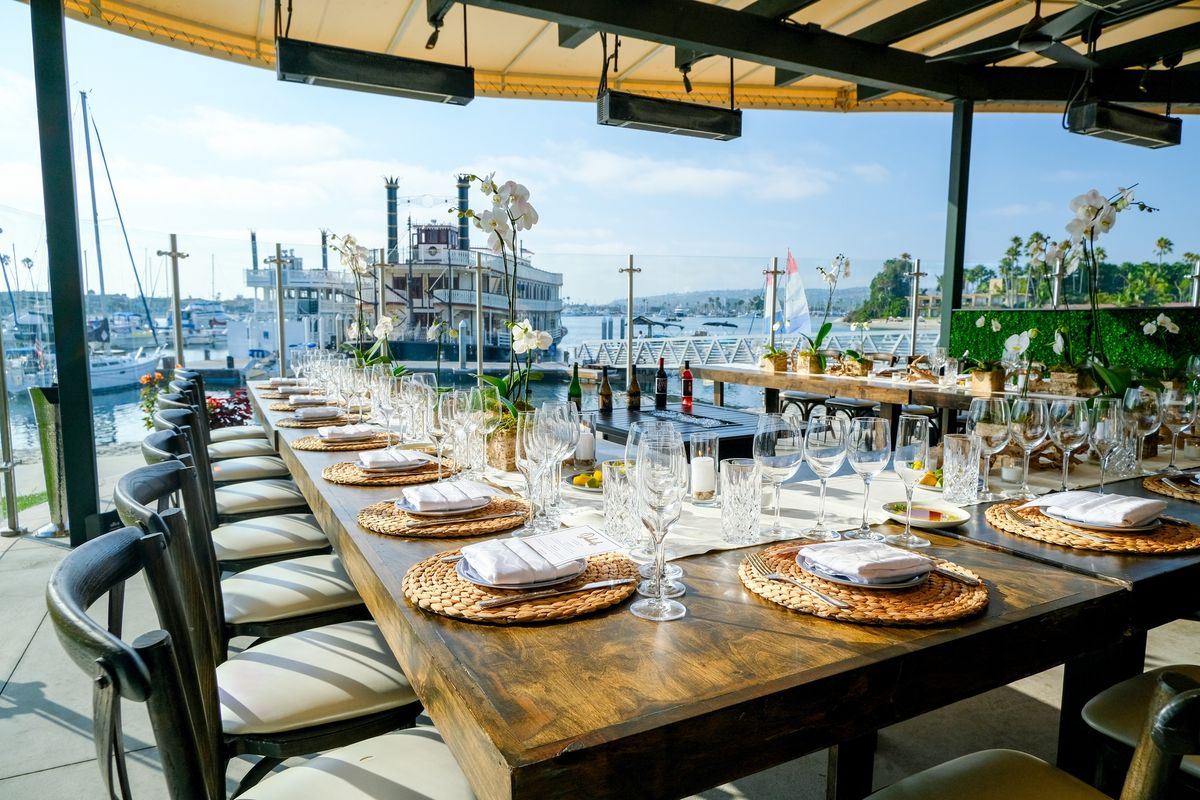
pixel 760 568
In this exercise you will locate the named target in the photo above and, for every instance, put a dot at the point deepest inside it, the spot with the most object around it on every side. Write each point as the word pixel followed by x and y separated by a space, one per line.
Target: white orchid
pixel 1163 320
pixel 383 327
pixel 543 340
pixel 1060 343
pixel 1172 328
pixel 435 331
pixel 488 185
pixel 1149 329
pixel 524 337
pixel 352 331
pixel 995 326
pixel 1017 344
pixel 980 322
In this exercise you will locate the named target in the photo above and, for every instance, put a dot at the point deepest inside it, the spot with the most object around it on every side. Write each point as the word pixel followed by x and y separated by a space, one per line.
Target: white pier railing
pixel 715 350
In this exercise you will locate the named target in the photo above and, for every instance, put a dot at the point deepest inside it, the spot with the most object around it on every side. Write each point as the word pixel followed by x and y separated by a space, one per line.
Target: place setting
pixel 390 466
pixel 313 416
pixel 550 577
pixel 297 401
pixel 358 436
pixel 448 508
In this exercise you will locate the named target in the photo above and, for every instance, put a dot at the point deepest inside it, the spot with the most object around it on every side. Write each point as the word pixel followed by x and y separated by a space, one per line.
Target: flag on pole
pixel 795 306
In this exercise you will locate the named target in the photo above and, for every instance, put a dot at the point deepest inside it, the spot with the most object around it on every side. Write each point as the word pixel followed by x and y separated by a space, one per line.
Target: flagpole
pixel 772 282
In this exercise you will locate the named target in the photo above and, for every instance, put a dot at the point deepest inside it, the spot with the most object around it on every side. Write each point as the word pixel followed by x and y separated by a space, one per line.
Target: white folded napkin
pixel 389 459
pixel 307 400
pixel 866 560
pixel 287 381
pixel 1111 510
pixel 347 433
pixel 317 412
pixel 447 495
pixel 288 391
pixel 512 561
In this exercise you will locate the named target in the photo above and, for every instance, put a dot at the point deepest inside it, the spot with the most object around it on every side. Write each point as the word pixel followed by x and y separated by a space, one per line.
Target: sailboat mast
pixel 87 141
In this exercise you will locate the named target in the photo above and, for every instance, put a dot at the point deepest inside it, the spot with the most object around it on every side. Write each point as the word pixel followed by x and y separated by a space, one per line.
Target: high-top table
pixel 614 706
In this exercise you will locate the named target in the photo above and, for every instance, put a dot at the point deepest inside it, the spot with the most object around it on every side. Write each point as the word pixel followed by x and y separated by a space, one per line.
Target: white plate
pixel 366 437
pixel 403 505
pixel 567 482
pixel 953 516
pixel 467 574
pixel 844 580
pixel 937 489
pixel 1153 526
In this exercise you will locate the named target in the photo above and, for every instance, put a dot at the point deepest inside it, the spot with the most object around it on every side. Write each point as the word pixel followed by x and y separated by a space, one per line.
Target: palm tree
pixel 1163 247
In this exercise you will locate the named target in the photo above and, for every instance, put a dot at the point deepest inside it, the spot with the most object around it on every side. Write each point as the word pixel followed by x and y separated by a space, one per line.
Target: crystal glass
pixel 868 449
pixel 385 397
pixel 585 446
pixel 637 430
pixel 561 421
pixel 1069 427
pixel 704 448
pixel 1193 369
pixel 620 509
pixel 1107 431
pixel 661 483
pixel 960 469
pixel 779 451
pixel 1143 417
pixel 741 501
pixel 988 421
pixel 491 416
pixel 909 460
pixel 1178 414
pixel 1029 425
pixel 937 359
pixel 825 450
pixel 530 461
pixel 950 373
pixel 438 412
pixel 644 553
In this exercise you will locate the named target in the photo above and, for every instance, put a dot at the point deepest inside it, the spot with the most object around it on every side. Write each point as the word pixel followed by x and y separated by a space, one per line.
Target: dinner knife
pixel 587 587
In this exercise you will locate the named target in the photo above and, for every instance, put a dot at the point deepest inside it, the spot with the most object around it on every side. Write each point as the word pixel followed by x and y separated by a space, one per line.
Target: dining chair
pixel 301 694
pixel 253 498
pixel 244 543
pixel 219 450
pixel 234 469
pixel 251 430
pixel 1170 730
pixel 265 601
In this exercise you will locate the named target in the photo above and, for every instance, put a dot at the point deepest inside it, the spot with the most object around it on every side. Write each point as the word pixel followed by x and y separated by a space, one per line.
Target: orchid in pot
pixel 354 258
pixel 438 332
pixel 1017 356
pixel 838 268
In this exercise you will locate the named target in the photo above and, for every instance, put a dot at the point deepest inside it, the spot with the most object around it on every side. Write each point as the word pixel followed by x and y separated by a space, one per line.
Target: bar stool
pixel 238 447
pixel 803 402
pixel 851 407
pixel 251 430
pixel 929 413
pixel 230 470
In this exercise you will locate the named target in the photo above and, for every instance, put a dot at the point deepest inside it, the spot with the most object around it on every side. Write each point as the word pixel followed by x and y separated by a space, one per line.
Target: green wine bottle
pixel 575 391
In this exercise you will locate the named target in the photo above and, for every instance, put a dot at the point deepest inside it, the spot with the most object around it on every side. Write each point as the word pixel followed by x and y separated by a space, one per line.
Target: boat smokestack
pixel 464 228
pixel 253 250
pixel 325 250
pixel 393 232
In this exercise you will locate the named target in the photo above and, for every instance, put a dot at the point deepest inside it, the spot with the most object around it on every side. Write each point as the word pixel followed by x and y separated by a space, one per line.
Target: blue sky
pixel 211 149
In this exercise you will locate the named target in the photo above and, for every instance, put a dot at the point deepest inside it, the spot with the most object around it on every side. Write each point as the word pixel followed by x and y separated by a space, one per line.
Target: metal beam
pixel 1056 84
pixel 771 9
pixel 52 90
pixel 956 213
pixel 864 93
pixel 709 28
pixel 1150 48
pixel 436 11
pixel 571 37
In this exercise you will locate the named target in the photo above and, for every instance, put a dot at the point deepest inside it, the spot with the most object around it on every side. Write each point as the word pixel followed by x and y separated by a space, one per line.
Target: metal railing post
pixel 13 526
pixel 281 323
pixel 176 304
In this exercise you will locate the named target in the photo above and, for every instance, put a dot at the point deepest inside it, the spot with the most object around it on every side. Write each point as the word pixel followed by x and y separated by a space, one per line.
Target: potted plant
pixel 855 363
pixel 513 391
pixel 809 358
pixel 774 359
pixel 354 257
pixel 1069 377
pixel 986 376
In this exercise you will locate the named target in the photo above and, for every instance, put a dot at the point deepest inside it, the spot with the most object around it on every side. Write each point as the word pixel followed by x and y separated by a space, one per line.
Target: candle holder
pixel 702 471
pixel 585 448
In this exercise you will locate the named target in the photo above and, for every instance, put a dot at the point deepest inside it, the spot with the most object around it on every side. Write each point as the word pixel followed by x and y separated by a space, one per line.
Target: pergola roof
pixel 846 55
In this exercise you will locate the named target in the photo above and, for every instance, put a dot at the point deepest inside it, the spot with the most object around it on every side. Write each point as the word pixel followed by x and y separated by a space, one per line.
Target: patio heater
pixel 916 276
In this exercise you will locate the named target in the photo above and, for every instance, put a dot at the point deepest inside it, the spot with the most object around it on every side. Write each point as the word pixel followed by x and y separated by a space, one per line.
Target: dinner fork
pixel 762 570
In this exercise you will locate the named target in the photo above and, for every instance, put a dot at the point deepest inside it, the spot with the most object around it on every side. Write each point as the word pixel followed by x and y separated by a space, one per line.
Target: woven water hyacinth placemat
pixel 1180 488
pixel 435 586
pixel 934 601
pixel 348 473
pixel 384 518
pixel 290 407
pixel 319 445
pixel 292 422
pixel 1170 537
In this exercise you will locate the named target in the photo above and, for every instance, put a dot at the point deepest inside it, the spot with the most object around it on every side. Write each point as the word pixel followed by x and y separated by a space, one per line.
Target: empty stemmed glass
pixel 438 413
pixel 911 456
pixel 488 398
pixel 825 449
pixel 385 397
pixel 1108 431
pixel 1178 414
pixel 987 421
pixel 1143 417
pixel 661 486
pixel 1029 425
pixel 868 449
pixel 529 465
pixel 937 359
pixel 643 553
pixel 1069 426
pixel 779 451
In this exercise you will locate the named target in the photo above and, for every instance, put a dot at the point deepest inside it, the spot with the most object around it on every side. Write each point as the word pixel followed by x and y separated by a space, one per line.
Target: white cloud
pixel 875 173
pixel 238 136
pixel 1012 210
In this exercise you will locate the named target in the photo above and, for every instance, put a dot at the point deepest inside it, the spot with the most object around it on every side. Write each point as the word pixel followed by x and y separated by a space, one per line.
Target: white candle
pixel 585 449
pixel 704 475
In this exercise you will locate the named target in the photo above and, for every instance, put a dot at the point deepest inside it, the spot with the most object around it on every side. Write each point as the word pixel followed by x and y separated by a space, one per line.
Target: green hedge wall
pixel 1121 334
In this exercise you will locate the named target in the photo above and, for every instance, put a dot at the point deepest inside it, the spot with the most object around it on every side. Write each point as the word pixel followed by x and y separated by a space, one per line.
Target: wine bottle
pixel 606 394
pixel 575 391
pixel 660 387
pixel 686 379
pixel 633 393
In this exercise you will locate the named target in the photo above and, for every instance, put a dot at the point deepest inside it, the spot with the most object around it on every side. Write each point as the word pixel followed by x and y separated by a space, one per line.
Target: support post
pixel 773 278
pixel 176 303
pixel 629 323
pixel 956 214
pixel 281 323
pixel 915 276
pixel 1196 284
pixel 52 91
pixel 13 526
pixel 480 287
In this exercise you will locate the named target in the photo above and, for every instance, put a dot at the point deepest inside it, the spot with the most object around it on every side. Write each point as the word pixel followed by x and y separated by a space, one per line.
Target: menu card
pixel 571 544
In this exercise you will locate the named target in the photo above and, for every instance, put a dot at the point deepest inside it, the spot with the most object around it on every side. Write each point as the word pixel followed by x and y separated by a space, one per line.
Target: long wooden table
pixel 614 706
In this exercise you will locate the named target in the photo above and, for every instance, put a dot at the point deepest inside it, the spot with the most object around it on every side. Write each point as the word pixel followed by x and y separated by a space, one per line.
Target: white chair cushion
pixel 248 469
pixel 410 763
pixel 287 589
pixel 1120 712
pixel 268 536
pixel 991 775
pixel 323 675
pixel 237 432
pixel 240 448
pixel 251 497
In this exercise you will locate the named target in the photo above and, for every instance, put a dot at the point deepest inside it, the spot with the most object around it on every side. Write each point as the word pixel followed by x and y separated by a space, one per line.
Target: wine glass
pixel 911 456
pixel 529 465
pixel 1108 429
pixel 1178 414
pixel 439 410
pixel 937 359
pixel 779 451
pixel 825 449
pixel 385 399
pixel 1029 425
pixel 988 421
pixel 1069 425
pixel 868 449
pixel 644 553
pixel 492 414
pixel 1192 371
pixel 661 486
pixel 1143 416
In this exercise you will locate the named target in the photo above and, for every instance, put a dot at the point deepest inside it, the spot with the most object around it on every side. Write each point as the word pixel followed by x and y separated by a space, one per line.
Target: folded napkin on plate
pixel 307 400
pixel 866 560
pixel 512 561
pixel 1111 510
pixel 287 381
pixel 447 495
pixel 347 433
pixel 317 412
pixel 288 390
pixel 388 459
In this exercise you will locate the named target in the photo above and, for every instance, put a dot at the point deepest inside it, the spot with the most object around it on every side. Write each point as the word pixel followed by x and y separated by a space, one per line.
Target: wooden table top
pixel 627 707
